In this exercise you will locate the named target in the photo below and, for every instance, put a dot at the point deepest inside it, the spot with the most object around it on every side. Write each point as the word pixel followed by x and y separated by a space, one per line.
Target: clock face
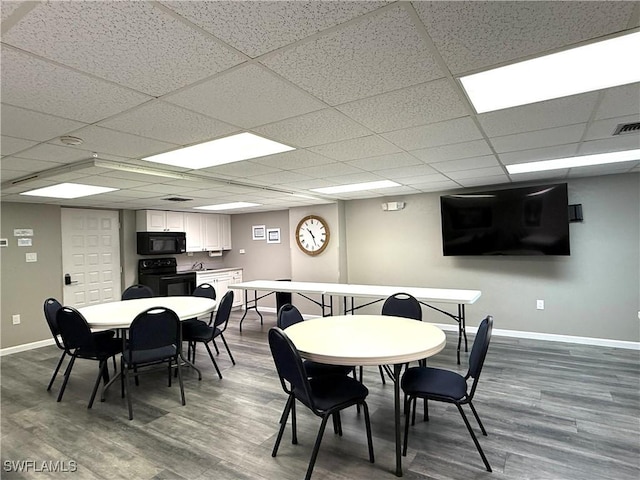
pixel 312 235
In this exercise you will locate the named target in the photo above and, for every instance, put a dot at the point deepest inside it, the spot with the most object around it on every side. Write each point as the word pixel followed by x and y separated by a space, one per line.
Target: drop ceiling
pixel 364 91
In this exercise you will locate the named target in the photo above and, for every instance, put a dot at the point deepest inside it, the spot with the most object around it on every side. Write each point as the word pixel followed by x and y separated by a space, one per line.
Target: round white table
pixel 368 340
pixel 120 314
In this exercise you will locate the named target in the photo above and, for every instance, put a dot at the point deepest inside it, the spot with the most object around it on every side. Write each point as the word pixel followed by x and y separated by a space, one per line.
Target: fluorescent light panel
pixel 228 206
pixel 356 187
pixel 68 190
pixel 234 148
pixel 571 162
pixel 583 69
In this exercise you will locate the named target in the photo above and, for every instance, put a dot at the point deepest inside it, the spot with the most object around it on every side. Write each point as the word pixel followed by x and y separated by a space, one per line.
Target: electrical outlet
pixel 242 253
pixel 16 319
pixel 31 257
pixel 540 304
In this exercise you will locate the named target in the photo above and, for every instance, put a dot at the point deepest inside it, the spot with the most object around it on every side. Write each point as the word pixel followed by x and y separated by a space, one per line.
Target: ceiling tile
pixel 113 39
pixel 247 96
pixel 240 169
pixel 316 128
pixel 418 105
pixel 377 54
pixel 385 161
pixel 476 173
pixel 163 121
pixel 30 125
pixel 536 154
pixel 539 138
pixel 537 176
pixel 26 165
pixel 100 139
pixel 620 101
pixel 65 93
pixel 353 178
pixel 481 181
pixel 474 35
pixel 443 153
pixel 360 147
pixel 431 179
pixel 293 159
pixel 610 169
pixel 259 27
pixel 279 178
pixel 400 173
pixel 601 129
pixel 436 186
pixel 539 116
pixel 11 145
pixel 465 164
pixel 615 144
pixel 442 133
pixel 329 170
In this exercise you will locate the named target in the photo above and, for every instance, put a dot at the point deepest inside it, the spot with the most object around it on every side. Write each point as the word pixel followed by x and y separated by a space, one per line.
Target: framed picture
pixel 273 235
pixel 259 232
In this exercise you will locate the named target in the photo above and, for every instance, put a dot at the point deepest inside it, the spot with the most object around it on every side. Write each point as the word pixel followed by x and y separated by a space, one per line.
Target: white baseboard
pixel 549 337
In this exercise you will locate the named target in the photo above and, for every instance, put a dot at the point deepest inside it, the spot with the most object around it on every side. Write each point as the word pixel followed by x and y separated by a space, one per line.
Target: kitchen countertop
pixel 210 270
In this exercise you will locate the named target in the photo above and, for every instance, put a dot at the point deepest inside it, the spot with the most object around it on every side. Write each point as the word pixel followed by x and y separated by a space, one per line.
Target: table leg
pixel 191 365
pixel 397 369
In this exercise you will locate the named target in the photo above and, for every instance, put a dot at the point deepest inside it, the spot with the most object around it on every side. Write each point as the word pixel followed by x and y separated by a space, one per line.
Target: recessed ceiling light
pixel 356 187
pixel 571 162
pixel 228 206
pixel 68 190
pixel 583 69
pixel 234 148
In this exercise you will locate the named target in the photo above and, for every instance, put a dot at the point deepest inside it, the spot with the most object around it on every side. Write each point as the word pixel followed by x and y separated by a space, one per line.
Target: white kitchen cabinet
pixel 220 280
pixel 225 231
pixel 193 229
pixel 159 221
pixel 211 229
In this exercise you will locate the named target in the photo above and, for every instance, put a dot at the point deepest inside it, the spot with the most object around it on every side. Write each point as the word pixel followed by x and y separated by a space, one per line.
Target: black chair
pixel 80 342
pixel 289 315
pixel 450 387
pixel 324 396
pixel 282 298
pixel 154 339
pixel 51 308
pixel 137 291
pixel 204 290
pixel 204 333
pixel 400 305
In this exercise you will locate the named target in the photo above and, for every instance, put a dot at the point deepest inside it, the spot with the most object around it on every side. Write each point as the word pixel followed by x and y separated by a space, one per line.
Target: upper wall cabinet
pixel 159 221
pixel 207 232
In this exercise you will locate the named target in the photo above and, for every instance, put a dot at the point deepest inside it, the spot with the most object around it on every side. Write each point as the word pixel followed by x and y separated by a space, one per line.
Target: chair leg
pixel 367 424
pixel 294 423
pixel 475 414
pixel 126 373
pixel 473 436
pixel 55 372
pixel 215 346
pixel 227 347
pixel 283 424
pixel 213 360
pixel 179 368
pixel 102 367
pixel 316 446
pixel 67 372
pixel 407 412
pixel 381 375
pixel 337 423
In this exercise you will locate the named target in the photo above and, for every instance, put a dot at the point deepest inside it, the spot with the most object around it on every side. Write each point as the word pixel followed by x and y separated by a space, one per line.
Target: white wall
pixel 595 292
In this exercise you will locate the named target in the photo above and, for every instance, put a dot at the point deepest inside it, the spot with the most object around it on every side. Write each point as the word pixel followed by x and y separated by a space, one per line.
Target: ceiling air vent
pixel 177 199
pixel 623 128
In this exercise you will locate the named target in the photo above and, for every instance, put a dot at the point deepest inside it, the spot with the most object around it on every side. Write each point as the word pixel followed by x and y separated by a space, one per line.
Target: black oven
pixel 161 276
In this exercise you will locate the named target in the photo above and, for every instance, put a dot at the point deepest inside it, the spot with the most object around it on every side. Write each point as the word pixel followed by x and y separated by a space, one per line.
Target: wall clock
pixel 312 235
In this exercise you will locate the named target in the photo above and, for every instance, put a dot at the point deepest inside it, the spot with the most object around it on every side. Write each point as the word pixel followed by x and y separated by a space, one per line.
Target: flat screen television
pixel 515 221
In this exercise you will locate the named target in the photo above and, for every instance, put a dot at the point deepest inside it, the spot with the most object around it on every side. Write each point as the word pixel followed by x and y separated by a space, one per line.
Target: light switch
pixel 31 257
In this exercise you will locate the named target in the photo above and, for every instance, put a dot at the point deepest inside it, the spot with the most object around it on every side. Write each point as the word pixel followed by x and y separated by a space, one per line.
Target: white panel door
pixel 90 256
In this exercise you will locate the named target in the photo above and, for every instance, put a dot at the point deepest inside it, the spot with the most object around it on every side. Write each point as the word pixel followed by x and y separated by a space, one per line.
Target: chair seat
pixel 434 382
pixel 199 332
pixel 105 347
pixel 150 356
pixel 192 323
pixel 315 369
pixel 329 391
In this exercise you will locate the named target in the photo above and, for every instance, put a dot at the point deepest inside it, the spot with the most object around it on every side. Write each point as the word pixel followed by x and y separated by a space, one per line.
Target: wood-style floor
pixel 553 411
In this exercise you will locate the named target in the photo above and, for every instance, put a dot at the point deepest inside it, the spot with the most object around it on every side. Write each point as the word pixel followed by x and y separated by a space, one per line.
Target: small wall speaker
pixel 575 212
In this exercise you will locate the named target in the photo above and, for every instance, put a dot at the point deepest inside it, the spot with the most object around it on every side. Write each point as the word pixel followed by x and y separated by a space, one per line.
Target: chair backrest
pixel 288 315
pixel 74 329
pixel 479 351
pixel 137 291
pixel 402 305
pixel 224 311
pixel 205 290
pixel 289 366
pixel 154 328
pixel 51 308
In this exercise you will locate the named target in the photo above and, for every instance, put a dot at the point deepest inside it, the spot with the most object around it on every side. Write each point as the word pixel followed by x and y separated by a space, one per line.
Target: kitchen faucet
pixel 197 266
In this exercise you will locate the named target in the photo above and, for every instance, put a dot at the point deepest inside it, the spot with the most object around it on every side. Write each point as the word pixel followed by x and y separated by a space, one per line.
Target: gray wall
pixel 595 292
pixel 25 286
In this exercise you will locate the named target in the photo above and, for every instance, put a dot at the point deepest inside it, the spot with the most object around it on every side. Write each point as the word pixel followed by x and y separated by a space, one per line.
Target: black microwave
pixel 161 243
